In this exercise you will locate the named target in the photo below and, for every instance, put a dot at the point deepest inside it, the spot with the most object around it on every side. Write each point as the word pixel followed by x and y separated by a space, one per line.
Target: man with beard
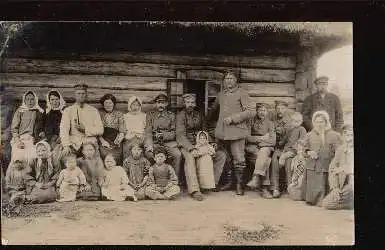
pixel 260 144
pixel 161 132
pixel 189 122
pixel 79 121
pixel 323 100
pixel 232 128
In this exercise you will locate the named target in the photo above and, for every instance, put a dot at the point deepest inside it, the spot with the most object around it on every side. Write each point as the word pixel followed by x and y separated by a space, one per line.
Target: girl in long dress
pixel 115 184
pixel 135 123
pixel 27 126
pixel 320 146
pixel 44 174
pixel 114 130
pixel 204 161
pixel 93 168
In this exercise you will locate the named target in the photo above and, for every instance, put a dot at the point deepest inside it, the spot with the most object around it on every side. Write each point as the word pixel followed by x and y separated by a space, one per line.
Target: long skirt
pixel 154 194
pixel 39 195
pixel 205 171
pixel 94 194
pixel 117 193
pixel 316 187
pixel 140 193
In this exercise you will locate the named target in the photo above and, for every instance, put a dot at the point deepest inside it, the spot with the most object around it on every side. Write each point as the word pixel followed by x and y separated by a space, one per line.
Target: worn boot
pixel 229 182
pixel 239 176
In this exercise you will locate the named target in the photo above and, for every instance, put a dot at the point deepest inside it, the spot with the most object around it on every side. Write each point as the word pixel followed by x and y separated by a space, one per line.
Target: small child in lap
pixel 136 167
pixel 163 182
pixel 71 180
pixel 115 184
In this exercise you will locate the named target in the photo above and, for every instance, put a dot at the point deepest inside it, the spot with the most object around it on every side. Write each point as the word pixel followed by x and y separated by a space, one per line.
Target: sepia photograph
pixel 176 133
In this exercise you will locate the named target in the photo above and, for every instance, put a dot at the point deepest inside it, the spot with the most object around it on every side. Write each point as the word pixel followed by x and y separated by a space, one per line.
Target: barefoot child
pixel 71 180
pixel 204 162
pixel 136 167
pixel 115 184
pixel 163 182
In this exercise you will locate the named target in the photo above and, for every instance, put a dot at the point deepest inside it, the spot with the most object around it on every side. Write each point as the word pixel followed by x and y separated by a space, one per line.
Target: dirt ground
pixel 222 219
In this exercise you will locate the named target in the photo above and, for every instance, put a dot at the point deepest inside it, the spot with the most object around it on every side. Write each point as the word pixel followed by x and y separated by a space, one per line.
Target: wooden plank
pixel 93 81
pixel 267 75
pixel 260 61
pixel 269 89
pixel 88 67
pixel 204 74
pixel 301 95
pixel 271 99
pixel 94 94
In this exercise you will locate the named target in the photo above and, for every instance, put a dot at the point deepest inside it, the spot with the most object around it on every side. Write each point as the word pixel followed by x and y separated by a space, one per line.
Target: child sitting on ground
pixel 136 167
pixel 115 184
pixel 295 133
pixel 204 162
pixel 163 182
pixel 16 182
pixel 295 186
pixel 71 180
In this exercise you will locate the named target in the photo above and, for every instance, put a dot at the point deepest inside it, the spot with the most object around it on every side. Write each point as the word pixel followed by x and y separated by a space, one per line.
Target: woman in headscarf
pixel 135 123
pixel 111 140
pixel 320 146
pixel 54 111
pixel 27 126
pixel 43 175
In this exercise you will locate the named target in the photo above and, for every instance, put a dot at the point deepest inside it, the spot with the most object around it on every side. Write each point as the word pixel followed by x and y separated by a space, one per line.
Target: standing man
pixel 189 122
pixel 232 128
pixel 160 131
pixel 79 121
pixel 323 100
pixel 260 144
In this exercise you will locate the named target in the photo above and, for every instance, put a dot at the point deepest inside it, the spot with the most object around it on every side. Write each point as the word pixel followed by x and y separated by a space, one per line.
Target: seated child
pixel 115 184
pixel 71 180
pixel 204 161
pixel 163 182
pixel 136 167
pixel 296 132
pixel 16 182
pixel 295 186
pixel 93 168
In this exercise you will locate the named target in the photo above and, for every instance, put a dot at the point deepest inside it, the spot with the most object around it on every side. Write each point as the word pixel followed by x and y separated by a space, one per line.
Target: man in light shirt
pixel 79 121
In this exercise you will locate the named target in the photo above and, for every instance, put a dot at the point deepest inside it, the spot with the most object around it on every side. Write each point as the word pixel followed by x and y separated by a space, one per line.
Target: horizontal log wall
pixel 266 78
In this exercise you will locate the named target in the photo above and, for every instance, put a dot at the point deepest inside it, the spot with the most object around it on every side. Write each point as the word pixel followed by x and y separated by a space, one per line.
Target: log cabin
pixel 273 60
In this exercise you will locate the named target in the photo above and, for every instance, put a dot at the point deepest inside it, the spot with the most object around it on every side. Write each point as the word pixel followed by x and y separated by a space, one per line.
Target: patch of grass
pixel 29 210
pixel 237 235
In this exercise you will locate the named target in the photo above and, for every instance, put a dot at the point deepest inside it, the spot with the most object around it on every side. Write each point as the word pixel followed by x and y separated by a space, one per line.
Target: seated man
pixel 260 144
pixel 161 131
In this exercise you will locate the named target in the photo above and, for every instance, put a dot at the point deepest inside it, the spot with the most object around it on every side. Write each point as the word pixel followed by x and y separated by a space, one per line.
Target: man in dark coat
pixel 323 100
pixel 232 125
pixel 161 132
pixel 189 122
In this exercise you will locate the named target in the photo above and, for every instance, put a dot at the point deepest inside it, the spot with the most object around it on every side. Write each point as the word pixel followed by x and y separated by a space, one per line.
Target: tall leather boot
pixel 239 175
pixel 229 181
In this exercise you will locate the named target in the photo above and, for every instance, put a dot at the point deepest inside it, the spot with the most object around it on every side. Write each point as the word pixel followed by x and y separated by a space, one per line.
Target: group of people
pixel 79 152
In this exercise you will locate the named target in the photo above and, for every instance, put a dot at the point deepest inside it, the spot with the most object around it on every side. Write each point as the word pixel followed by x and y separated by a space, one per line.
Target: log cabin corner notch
pixel 274 60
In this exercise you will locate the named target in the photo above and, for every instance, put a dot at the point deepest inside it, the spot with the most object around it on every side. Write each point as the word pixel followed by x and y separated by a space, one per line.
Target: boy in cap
pixel 323 100
pixel 79 121
pixel 161 131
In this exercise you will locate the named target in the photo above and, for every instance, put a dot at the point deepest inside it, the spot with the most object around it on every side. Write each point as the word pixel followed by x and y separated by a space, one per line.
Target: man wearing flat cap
pixel 189 122
pixel 260 144
pixel 323 100
pixel 79 121
pixel 232 127
pixel 160 131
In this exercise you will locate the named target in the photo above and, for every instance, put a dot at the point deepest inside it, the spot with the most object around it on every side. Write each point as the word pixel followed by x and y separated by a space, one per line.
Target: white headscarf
pixel 62 102
pixel 131 100
pixel 199 133
pixel 24 107
pixel 327 119
pixel 49 159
